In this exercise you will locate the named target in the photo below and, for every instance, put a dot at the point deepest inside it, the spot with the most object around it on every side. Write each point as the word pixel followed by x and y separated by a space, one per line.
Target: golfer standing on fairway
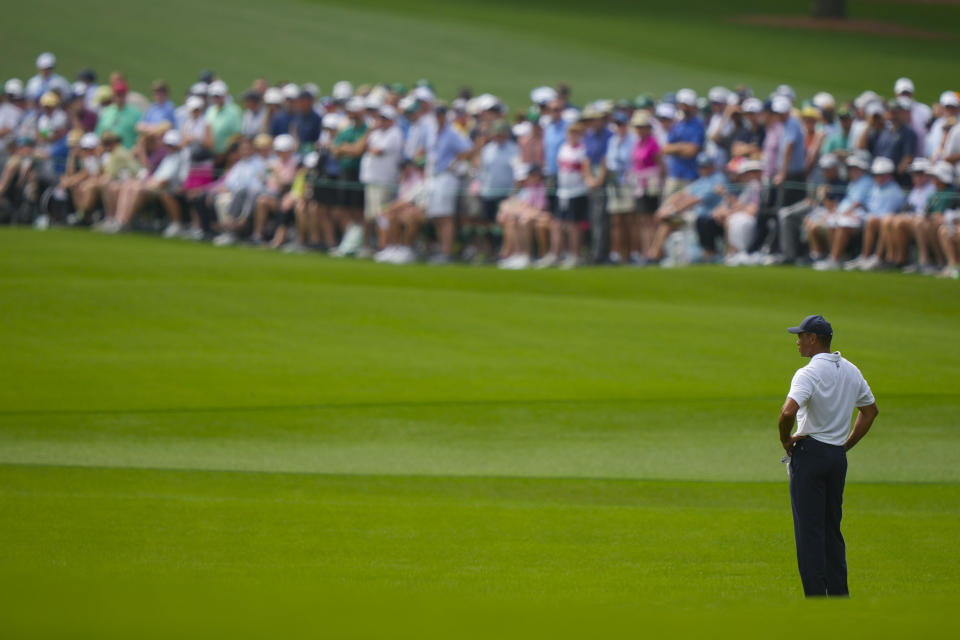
pixel 821 399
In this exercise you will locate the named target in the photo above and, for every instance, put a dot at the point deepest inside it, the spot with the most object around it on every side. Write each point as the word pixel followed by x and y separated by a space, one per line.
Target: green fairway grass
pixel 225 443
pixel 606 48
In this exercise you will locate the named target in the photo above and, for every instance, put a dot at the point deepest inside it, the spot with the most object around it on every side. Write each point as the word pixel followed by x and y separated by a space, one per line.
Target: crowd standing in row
pixel 395 174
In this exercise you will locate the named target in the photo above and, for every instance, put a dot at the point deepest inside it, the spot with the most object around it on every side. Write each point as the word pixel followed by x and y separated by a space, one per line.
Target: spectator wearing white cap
pixel 235 194
pixel 275 118
pixel 223 116
pixel 685 140
pixel 824 206
pixel 720 125
pixel 948 108
pixel 198 89
pixel 900 228
pixel 850 213
pixel 277 198
pixel 382 148
pixel 750 132
pixel 945 205
pixel 734 218
pixel 195 130
pixel 950 151
pixel 405 215
pixel 161 184
pixel 827 190
pixel 11 110
pixel 921 115
pixel 885 198
pixel 83 167
pixel 348 148
pixel 46 80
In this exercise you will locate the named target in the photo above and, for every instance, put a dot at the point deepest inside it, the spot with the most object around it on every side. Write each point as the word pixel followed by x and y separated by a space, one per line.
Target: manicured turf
pixel 203 442
pixel 605 48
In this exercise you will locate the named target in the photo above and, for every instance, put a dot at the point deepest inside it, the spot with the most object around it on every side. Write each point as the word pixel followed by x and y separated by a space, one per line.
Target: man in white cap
pixel 950 151
pixel 849 213
pixel 920 114
pixel 46 79
pixel 949 110
pixel 161 184
pixel 943 199
pixel 11 109
pixel 379 169
pixel 223 116
pixel 886 198
pixel 684 141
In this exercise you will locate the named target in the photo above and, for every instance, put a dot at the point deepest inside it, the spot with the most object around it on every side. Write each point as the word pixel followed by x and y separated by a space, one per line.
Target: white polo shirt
pixel 827 390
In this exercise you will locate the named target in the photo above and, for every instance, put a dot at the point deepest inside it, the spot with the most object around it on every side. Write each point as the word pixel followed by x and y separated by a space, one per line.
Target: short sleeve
pixel 864 395
pixel 801 388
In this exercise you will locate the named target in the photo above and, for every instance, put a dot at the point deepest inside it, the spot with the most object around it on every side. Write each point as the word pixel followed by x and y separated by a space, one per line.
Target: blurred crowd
pixel 392 173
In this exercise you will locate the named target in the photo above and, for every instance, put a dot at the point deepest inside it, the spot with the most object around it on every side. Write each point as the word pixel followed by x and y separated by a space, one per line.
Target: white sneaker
pixel 42 222
pixel 173 230
pixel 403 255
pixel 570 262
pixel 853 265
pixel 735 259
pixel 224 240
pixel 385 254
pixel 870 263
pixel 547 261
pixel 826 265
pixel 195 233
pixel 615 257
pixel 950 273
pixel 351 241
pixel 294 247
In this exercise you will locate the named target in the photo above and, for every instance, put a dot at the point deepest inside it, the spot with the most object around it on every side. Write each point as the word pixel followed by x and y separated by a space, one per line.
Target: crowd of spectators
pixel 392 173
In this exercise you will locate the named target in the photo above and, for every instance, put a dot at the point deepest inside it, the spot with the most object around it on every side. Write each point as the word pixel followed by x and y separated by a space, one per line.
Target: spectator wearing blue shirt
pixel 699 197
pixel 448 147
pixel 849 213
pixel 306 123
pixel 596 139
pixel 554 135
pixel 684 141
pixel 885 199
pixel 161 114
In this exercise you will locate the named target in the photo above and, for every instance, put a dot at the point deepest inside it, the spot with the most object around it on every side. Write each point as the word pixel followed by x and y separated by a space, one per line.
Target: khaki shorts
pixel 673 185
pixel 376 197
pixel 620 198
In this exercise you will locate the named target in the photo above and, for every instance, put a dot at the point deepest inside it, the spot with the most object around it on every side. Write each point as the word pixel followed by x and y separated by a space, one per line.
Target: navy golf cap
pixel 813 324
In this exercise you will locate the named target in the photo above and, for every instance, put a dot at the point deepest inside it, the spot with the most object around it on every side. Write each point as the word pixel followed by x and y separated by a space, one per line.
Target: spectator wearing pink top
pixel 519 215
pixel 648 172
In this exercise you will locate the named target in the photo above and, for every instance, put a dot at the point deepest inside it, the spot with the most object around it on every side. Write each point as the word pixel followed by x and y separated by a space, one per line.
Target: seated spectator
pixel 898 229
pixel 405 215
pixel 946 202
pixel 749 133
pixel 119 165
pixel 815 214
pixel 161 115
pixel 277 198
pixel 81 118
pixel 78 183
pixel 948 109
pixel 161 184
pixel 12 110
pixel 699 197
pixel 849 214
pixel 120 117
pixel 223 116
pixel 837 142
pixel 885 199
pixel 235 194
pixel 198 89
pixel 254 114
pixel 826 193
pixel 736 216
pixel 194 128
pixel 574 181
pixel 520 214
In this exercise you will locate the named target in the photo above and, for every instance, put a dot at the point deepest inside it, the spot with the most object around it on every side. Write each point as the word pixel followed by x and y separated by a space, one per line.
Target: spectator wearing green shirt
pixel 836 142
pixel 348 149
pixel 120 117
pixel 943 209
pixel 225 118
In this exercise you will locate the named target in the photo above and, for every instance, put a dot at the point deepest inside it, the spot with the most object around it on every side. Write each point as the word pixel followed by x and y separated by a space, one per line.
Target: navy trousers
pixel 817 475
